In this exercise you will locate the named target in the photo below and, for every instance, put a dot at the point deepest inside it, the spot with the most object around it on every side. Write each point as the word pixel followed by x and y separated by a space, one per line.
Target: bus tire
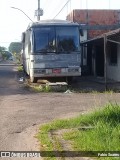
pixel 33 79
pixel 69 80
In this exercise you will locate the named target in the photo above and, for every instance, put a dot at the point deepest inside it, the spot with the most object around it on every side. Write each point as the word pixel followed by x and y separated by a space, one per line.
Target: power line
pixel 61 9
pixel 47 4
pixel 57 6
pixel 69 7
pixel 109 4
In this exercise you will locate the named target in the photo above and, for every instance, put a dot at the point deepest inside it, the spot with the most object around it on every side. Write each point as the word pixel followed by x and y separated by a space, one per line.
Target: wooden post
pixel 82 55
pixel 105 61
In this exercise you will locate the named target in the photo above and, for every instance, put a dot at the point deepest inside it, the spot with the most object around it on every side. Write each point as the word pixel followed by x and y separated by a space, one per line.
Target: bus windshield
pixel 44 39
pixel 56 39
pixel 67 39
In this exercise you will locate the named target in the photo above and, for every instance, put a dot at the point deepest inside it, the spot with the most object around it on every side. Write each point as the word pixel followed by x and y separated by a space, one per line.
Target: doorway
pixel 99 61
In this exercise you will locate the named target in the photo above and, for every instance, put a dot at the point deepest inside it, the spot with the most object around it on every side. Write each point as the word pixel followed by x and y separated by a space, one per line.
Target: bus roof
pixel 52 22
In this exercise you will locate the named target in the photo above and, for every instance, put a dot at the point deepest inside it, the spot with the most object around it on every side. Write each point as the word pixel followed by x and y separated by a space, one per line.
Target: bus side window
pixel 23 37
pixel 28 42
pixel 29 47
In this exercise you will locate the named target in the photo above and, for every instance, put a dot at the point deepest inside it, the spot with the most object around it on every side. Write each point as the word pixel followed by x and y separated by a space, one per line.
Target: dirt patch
pixel 28 136
pixel 65 145
pixel 28 141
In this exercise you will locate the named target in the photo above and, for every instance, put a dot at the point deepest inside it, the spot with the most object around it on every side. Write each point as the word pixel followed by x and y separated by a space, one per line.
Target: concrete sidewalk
pixel 94 84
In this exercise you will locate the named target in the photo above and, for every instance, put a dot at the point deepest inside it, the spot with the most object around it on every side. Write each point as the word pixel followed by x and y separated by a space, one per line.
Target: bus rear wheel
pixel 69 80
pixel 33 79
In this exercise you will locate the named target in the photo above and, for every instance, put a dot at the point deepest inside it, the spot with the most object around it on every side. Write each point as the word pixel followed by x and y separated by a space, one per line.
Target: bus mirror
pixel 23 37
pixel 81 32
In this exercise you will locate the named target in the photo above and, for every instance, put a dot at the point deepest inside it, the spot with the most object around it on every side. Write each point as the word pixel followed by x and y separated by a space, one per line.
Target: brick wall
pixel 95 17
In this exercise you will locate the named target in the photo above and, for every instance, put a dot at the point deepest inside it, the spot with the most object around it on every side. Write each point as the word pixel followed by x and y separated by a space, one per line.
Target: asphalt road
pixel 22 111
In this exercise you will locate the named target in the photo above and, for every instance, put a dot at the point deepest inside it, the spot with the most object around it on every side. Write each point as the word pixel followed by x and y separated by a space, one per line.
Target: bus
pixel 51 48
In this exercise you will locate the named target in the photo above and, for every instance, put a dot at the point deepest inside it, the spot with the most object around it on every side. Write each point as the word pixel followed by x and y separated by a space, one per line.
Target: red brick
pixel 95 17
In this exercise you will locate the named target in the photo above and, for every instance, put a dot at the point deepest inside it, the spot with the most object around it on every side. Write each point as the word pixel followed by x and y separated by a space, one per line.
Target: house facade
pixel 103 55
pixel 113 64
pixel 95 21
pixel 100 57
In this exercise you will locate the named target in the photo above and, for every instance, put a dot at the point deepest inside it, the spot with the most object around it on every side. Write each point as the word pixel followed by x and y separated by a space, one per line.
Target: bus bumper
pixel 56 72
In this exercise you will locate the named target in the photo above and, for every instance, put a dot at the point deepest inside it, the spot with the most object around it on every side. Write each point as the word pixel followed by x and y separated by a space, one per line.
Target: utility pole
pixel 105 61
pixel 38 16
pixel 87 17
pixel 38 11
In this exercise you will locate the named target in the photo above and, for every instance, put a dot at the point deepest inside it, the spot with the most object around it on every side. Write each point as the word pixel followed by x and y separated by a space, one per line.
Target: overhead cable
pixel 61 9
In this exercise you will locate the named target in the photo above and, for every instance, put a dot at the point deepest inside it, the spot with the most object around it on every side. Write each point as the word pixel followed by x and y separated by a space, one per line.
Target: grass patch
pixel 20 68
pixel 47 88
pixel 104 136
pixel 41 88
pixel 92 90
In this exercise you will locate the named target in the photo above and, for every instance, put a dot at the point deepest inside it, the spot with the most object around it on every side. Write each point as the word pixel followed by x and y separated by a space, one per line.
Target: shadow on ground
pixel 94 84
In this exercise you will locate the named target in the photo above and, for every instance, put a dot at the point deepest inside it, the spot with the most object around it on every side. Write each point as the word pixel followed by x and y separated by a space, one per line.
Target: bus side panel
pixel 26 53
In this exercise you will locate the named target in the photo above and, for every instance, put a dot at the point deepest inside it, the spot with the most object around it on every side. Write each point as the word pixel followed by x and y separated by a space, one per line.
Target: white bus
pixel 51 48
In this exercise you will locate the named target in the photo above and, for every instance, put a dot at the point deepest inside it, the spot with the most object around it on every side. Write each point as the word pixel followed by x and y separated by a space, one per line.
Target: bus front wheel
pixel 33 79
pixel 69 80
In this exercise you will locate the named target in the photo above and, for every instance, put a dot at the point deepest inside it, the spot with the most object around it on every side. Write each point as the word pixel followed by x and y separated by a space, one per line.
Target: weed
pixel 103 136
pixel 20 68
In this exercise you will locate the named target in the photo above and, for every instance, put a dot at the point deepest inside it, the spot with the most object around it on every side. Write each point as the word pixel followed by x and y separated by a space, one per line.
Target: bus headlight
pixel 40 71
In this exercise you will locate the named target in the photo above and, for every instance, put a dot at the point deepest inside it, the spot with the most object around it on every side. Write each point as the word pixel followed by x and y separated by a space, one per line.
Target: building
pixel 103 55
pixel 96 22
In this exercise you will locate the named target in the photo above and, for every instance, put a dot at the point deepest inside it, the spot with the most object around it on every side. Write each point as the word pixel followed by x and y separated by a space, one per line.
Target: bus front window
pixel 44 39
pixel 67 39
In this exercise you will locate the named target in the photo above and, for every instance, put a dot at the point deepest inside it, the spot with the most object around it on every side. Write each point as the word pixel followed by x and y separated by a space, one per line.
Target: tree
pixel 2 49
pixel 2 53
pixel 15 47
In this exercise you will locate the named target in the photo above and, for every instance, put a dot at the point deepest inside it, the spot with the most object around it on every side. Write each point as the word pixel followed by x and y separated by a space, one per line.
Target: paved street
pixel 22 111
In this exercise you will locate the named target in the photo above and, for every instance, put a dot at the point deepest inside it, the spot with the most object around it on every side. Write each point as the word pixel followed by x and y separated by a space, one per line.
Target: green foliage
pixel 48 88
pixel 6 55
pixel 20 68
pixel 2 52
pixel 42 88
pixel 2 49
pixel 103 136
pixel 15 47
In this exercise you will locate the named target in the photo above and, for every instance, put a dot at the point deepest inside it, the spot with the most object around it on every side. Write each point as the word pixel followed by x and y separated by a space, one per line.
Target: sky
pixel 13 22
